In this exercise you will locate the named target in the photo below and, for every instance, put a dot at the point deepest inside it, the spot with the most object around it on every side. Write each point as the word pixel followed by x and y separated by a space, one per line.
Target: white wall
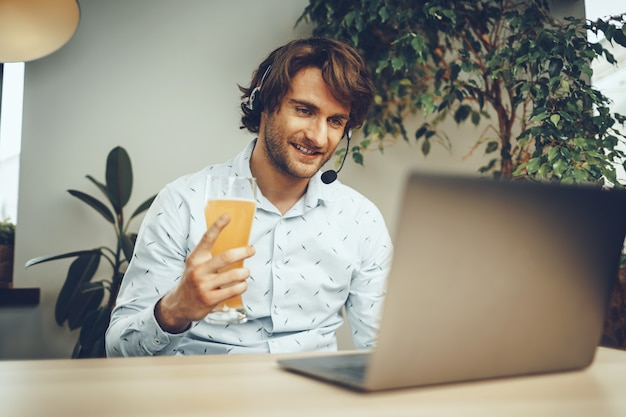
pixel 158 77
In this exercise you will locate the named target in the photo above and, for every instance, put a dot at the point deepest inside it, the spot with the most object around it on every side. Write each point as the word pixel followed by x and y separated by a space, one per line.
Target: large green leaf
pixel 143 207
pixel 128 246
pixel 119 177
pixel 81 270
pixel 102 187
pixel 95 203
pixel 43 259
pixel 82 303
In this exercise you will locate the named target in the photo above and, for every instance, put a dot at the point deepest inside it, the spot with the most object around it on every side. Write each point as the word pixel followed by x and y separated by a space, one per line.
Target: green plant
pixel 508 62
pixel 7 233
pixel 85 302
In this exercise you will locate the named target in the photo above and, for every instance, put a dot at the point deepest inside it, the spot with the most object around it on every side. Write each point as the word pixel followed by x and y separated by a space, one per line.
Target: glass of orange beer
pixel 235 196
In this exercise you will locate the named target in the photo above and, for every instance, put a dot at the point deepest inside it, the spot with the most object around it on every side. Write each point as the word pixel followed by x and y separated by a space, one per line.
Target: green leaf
pixel 81 270
pixel 357 157
pixel 492 146
pixel 580 175
pixel 383 13
pixel 100 186
pixel 540 117
pixel 519 170
pixel 544 171
pixel 555 67
pixel 533 165
pixel 95 203
pixel 555 119
pixel 143 206
pixel 488 167
pixel 119 177
pixel 475 118
pixel 128 246
pixel 82 304
pixel 420 132
pixel 553 153
pixel 620 36
pixel 462 113
pixel 426 147
pixel 43 259
pixel 559 167
pixel 397 63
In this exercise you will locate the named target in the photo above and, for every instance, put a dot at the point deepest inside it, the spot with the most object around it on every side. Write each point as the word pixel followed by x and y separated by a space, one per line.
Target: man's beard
pixel 277 149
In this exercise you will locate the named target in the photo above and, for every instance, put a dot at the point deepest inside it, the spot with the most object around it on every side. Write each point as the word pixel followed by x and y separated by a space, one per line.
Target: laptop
pixel 489 279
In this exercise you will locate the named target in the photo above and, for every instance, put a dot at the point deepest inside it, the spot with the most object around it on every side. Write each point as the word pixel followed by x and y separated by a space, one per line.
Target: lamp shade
pixel 31 29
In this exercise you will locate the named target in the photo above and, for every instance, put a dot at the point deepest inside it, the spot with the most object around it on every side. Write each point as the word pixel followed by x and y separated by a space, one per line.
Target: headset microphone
pixel 331 175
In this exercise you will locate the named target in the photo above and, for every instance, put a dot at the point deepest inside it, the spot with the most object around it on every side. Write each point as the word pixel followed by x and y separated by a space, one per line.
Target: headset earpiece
pixel 254 103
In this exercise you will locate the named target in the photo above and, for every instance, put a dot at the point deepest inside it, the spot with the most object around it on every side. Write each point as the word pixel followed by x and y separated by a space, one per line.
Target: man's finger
pixel 202 251
pixel 210 236
pixel 231 256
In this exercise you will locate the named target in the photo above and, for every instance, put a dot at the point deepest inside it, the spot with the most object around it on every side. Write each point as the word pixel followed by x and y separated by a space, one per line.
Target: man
pixel 316 246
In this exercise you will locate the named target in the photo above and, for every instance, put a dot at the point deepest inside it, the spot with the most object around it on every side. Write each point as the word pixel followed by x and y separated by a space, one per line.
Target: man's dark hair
pixel 343 70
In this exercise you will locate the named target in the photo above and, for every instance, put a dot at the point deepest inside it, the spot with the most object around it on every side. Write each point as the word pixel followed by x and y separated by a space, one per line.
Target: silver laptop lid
pixel 495 279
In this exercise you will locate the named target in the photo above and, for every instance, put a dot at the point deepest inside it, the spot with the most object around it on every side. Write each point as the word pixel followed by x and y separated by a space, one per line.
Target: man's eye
pixel 337 122
pixel 303 110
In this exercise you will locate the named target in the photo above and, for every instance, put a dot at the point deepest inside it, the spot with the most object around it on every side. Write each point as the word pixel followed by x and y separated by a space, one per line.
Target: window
pixel 12 76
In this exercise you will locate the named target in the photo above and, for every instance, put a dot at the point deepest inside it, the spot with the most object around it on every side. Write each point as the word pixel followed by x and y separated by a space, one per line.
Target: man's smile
pixel 305 150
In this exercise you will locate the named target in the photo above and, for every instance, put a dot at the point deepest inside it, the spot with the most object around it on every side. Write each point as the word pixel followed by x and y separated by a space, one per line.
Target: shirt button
pixel 276 310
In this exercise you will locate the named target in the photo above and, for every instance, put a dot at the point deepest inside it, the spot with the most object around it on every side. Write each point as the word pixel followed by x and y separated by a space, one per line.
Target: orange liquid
pixel 234 235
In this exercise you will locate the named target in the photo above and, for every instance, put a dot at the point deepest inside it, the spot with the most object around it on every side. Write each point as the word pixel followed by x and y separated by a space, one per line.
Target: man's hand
pixel 202 287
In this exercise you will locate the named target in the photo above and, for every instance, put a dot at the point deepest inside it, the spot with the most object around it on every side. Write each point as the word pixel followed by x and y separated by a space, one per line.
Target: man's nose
pixel 317 131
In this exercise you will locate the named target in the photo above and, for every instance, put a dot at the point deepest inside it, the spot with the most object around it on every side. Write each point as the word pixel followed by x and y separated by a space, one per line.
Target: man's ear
pixel 262 120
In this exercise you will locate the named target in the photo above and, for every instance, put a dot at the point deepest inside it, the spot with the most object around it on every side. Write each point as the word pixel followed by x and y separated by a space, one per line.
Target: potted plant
pixel 7 251
pixel 509 66
pixel 85 301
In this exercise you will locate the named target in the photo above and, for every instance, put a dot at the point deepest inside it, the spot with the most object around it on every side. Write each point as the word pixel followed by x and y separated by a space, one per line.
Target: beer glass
pixel 235 196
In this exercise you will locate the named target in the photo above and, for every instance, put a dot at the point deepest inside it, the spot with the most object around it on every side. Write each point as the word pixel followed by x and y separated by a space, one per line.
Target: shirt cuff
pixel 156 339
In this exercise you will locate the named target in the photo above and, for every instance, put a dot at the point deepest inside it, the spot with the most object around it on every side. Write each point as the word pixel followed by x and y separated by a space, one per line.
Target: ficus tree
pixel 508 65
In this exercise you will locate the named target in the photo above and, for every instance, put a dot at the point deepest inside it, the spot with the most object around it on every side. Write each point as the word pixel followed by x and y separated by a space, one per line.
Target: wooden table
pixel 253 385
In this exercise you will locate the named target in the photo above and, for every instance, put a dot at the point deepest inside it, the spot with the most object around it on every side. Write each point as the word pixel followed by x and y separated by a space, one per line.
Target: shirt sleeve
pixel 368 284
pixel 157 264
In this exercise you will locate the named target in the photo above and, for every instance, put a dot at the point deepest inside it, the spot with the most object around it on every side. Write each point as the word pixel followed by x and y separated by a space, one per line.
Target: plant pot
pixel 6 265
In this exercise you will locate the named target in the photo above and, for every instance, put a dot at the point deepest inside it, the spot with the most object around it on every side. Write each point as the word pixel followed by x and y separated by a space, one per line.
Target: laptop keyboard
pixel 352 371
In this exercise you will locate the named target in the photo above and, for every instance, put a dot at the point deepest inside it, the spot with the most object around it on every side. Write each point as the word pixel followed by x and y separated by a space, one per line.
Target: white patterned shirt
pixel 331 250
